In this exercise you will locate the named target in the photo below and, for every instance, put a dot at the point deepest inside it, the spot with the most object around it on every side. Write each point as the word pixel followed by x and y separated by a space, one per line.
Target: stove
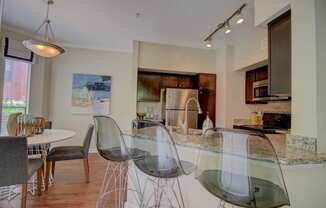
pixel 272 123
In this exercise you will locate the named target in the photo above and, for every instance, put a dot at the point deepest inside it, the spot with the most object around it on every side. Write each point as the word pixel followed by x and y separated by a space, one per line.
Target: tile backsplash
pixel 144 106
pixel 272 107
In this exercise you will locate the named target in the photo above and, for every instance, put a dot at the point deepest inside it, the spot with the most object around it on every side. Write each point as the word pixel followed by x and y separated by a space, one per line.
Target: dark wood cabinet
pixel 251 77
pixel 206 84
pixel 279 42
pixel 151 83
pixel 186 82
pixel 149 87
pixel 169 81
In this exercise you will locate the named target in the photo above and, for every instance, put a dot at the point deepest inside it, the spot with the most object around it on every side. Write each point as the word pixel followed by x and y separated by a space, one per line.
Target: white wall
pixel 118 65
pixel 267 10
pixel 321 72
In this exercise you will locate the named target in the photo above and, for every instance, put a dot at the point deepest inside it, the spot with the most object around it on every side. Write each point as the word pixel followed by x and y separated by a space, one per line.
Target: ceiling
pixel 113 24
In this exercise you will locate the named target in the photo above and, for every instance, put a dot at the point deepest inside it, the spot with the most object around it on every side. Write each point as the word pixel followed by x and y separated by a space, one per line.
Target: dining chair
pixel 241 168
pixel 15 166
pixel 162 164
pixel 112 147
pixel 64 153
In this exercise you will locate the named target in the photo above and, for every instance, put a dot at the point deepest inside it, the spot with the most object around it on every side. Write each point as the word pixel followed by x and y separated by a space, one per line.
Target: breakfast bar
pixel 297 164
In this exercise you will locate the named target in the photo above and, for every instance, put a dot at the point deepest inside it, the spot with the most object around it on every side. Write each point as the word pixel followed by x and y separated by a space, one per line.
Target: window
pixel 15 90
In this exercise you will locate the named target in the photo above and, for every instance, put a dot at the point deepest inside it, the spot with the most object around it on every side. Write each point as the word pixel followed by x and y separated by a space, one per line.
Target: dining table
pixel 42 142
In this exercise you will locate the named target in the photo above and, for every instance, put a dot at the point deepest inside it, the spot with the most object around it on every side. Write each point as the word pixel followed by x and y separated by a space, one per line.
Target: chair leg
pixel 39 181
pixel 24 196
pixel 86 167
pixel 53 168
pixel 47 173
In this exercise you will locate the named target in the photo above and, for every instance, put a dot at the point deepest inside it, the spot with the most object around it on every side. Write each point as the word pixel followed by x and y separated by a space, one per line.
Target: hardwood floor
pixel 70 189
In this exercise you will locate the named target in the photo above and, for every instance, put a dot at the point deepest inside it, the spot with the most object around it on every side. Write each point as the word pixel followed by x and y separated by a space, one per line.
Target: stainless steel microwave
pixel 260 89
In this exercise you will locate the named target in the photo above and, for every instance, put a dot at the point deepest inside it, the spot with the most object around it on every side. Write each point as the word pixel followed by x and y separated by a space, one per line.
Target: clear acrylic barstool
pixel 111 146
pixel 161 164
pixel 241 168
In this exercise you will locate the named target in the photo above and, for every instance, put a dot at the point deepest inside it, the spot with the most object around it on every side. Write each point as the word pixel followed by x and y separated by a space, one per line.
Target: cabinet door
pixel 148 87
pixel 186 82
pixel 169 81
pixel 207 81
pixel 261 74
pixel 207 97
pixel 279 32
pixel 250 78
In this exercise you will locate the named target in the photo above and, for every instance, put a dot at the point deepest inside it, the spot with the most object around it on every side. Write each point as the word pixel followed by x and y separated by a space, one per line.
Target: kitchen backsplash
pixel 145 106
pixel 272 107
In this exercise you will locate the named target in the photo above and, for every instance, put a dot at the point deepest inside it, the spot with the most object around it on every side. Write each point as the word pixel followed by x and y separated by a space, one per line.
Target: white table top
pixel 51 136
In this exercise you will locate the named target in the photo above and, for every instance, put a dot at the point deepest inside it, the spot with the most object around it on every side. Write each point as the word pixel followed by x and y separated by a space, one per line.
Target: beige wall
pixel 40 79
pixel 118 65
pixel 304 77
pixel 175 58
pixel 321 73
pixel 308 61
pixel 245 49
pixel 267 10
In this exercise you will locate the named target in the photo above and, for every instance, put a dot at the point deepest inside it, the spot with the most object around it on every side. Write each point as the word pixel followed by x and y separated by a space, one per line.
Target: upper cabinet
pixel 254 76
pixel 279 38
pixel 148 87
pixel 151 83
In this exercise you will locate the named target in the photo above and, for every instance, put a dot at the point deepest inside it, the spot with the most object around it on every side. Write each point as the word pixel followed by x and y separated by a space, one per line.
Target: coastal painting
pixel 91 94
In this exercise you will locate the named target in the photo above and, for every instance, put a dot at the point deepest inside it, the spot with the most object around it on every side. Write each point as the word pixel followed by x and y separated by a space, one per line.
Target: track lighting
pixel 226 25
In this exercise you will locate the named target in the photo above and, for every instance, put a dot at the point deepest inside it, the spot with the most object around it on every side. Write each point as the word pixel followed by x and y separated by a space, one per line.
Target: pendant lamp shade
pixel 44 47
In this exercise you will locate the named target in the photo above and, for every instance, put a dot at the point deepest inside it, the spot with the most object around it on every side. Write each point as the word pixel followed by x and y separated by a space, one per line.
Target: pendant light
pixel 45 48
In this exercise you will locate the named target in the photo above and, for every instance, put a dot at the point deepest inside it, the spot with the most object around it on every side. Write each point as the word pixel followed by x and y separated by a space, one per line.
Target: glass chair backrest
pixel 110 141
pixel 242 168
pixel 154 139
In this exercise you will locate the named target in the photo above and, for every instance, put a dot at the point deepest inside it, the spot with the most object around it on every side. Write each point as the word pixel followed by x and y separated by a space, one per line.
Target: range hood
pixel 273 98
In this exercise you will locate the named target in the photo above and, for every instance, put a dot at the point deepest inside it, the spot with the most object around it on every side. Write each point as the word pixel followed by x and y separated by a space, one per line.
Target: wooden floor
pixel 70 189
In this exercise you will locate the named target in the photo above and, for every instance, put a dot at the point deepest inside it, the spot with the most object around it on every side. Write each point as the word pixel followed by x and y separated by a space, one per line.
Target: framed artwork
pixel 91 94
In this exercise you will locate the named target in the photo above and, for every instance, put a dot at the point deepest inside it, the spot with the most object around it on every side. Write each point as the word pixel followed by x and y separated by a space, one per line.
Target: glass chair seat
pixel 150 165
pixel 266 193
pixel 115 154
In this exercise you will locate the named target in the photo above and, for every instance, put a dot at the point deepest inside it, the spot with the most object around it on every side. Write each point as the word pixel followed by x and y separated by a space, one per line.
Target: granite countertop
pixel 287 155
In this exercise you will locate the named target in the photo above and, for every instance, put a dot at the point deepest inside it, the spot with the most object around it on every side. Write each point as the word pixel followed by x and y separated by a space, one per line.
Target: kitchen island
pixel 304 172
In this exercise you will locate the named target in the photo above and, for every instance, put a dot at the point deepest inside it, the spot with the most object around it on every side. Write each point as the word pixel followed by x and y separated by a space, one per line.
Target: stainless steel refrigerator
pixel 174 104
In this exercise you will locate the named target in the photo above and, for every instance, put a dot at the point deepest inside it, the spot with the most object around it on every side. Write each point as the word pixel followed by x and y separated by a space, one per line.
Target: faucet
pixel 184 126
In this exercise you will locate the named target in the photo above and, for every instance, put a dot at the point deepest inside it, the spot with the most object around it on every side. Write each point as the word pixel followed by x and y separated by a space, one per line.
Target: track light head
pixel 227 28
pixel 240 18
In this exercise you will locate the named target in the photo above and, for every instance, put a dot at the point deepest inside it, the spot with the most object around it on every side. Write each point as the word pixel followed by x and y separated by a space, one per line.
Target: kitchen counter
pixel 286 155
pixel 303 170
